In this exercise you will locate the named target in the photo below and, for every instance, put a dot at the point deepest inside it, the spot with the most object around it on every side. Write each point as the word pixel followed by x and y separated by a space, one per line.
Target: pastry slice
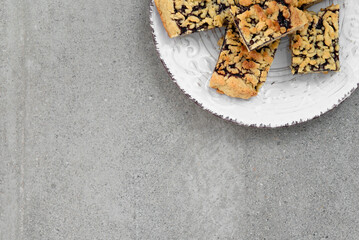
pixel 181 17
pixel 240 73
pixel 315 48
pixel 266 21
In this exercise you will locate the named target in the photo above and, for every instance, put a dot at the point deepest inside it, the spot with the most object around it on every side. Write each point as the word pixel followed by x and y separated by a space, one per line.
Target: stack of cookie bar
pixel 254 29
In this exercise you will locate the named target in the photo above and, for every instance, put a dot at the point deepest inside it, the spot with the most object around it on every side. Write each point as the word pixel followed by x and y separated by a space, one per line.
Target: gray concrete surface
pixel 96 142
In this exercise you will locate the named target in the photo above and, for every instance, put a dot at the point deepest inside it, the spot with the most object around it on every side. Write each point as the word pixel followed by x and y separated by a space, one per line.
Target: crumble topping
pixel 187 16
pixel 240 73
pixel 307 3
pixel 315 48
pixel 266 21
pixel 192 16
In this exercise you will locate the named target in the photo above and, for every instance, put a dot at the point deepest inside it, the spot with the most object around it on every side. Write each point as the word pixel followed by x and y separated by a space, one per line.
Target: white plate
pixel 285 99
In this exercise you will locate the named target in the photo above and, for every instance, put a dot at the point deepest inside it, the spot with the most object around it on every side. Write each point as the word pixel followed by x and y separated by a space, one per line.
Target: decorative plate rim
pixel 236 121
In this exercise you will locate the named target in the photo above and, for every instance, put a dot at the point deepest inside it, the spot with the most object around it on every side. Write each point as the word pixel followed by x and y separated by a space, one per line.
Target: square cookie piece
pixel 315 48
pixel 262 23
pixel 181 17
pixel 240 73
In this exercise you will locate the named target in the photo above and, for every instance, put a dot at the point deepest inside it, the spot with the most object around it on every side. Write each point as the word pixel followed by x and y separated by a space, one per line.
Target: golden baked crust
pixel 240 73
pixel 307 3
pixel 232 86
pixel 166 10
pixel 263 23
pixel 315 48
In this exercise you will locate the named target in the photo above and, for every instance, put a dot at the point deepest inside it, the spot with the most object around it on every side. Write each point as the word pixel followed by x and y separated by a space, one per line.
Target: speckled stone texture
pixel 96 142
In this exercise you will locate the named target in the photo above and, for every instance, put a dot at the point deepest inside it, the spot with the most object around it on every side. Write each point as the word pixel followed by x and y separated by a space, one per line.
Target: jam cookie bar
pixel 315 48
pixel 181 17
pixel 240 73
pixel 263 23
